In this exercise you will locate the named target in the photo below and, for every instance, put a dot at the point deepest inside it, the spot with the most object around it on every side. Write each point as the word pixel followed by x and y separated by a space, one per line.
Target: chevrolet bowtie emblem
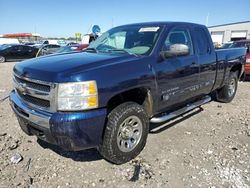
pixel 22 87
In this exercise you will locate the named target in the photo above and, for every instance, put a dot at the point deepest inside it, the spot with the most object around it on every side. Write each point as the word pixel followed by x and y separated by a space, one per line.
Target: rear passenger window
pixel 202 41
pixel 179 36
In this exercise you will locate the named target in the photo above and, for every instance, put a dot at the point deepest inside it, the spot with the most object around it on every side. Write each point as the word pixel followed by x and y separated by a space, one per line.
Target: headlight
pixel 77 96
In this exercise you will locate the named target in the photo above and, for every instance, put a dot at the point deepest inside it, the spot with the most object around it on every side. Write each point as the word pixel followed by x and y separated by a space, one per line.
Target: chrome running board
pixel 183 110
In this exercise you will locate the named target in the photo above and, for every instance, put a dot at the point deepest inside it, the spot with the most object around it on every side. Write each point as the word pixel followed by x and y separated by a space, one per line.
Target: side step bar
pixel 183 110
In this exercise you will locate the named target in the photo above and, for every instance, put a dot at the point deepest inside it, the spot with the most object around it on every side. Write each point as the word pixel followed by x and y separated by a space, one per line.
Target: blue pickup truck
pixel 106 96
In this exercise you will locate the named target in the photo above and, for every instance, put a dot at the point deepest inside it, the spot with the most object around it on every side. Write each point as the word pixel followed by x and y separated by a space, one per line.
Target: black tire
pixel 228 91
pixel 110 148
pixel 2 59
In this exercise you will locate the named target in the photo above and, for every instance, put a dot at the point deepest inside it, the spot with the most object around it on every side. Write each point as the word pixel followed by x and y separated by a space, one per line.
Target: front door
pixel 14 53
pixel 177 76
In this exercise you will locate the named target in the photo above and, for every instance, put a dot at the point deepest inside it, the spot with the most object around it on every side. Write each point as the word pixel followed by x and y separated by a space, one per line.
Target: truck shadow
pixel 93 155
pixel 82 156
pixel 159 127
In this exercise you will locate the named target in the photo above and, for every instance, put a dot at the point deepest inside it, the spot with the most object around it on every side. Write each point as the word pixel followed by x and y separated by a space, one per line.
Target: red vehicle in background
pixel 246 44
pixel 82 46
pixel 247 65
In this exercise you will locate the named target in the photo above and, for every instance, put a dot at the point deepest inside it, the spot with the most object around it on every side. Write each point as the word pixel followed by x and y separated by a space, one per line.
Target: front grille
pixel 33 85
pixel 33 92
pixel 35 101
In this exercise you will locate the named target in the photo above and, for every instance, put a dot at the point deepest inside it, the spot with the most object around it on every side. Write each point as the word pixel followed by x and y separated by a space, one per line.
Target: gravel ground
pixel 209 147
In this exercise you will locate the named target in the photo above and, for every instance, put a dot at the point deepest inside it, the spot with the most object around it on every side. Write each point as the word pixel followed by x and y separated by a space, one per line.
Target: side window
pixel 179 36
pixel 202 41
pixel 55 46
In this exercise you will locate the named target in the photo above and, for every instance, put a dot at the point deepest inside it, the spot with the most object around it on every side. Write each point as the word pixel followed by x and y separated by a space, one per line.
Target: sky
pixel 64 18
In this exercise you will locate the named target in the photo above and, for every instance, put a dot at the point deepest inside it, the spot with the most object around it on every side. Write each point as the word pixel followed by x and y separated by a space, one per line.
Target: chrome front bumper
pixel 71 131
pixel 36 116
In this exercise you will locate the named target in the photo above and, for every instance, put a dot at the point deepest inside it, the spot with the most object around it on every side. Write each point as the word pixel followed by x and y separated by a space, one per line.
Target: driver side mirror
pixel 175 50
pixel 45 49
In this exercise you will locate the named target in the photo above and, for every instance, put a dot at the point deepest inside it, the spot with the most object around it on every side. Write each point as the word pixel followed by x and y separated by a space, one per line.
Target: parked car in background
pixel 72 48
pixel 72 44
pixel 29 43
pixel 66 49
pixel 246 44
pixel 47 49
pixel 16 52
pixel 226 45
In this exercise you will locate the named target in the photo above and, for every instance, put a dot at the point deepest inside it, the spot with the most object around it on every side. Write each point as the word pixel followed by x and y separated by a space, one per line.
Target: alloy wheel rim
pixel 231 87
pixel 1 59
pixel 129 134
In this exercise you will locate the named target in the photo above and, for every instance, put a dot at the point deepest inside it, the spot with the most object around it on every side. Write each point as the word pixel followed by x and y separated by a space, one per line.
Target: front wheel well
pixel 142 96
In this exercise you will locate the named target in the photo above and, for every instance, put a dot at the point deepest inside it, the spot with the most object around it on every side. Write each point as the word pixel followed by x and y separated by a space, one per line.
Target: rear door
pixel 206 60
pixel 177 76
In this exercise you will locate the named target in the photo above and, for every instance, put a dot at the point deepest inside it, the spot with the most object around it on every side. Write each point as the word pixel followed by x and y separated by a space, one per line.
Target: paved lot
pixel 208 148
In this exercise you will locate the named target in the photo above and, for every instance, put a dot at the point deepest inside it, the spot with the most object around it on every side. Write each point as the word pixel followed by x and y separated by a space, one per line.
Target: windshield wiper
pixel 122 50
pixel 93 50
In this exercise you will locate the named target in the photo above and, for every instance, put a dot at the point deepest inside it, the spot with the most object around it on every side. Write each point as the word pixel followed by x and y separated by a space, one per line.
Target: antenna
pixel 89 28
pixel 207 18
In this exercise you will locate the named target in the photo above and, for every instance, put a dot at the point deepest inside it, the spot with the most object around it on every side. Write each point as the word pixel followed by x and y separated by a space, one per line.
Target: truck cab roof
pixel 163 23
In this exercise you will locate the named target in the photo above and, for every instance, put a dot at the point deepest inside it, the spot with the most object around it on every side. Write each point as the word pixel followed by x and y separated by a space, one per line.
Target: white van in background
pixel 9 41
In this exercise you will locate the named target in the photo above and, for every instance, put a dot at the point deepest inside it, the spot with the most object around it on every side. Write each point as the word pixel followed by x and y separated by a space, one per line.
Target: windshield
pixel 139 40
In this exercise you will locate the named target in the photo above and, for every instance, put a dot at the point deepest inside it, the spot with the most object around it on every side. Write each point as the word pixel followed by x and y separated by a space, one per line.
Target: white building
pixel 230 32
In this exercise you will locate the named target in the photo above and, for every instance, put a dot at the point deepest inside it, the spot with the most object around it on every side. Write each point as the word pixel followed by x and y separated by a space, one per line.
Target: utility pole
pixel 207 18
pixel 89 28
pixel 35 33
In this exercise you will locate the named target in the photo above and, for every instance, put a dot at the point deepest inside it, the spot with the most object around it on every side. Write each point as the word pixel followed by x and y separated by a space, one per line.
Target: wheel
pixel 228 91
pixel 125 134
pixel 2 59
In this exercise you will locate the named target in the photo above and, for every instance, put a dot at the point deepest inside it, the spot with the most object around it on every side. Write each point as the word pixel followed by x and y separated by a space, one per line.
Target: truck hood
pixel 55 68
